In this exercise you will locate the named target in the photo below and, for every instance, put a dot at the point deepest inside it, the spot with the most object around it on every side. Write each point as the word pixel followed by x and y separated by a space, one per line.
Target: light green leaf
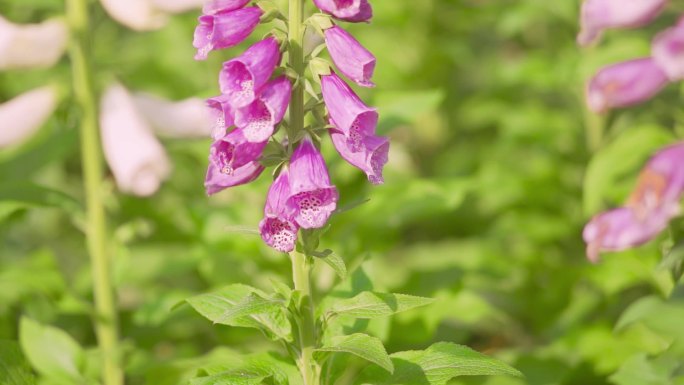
pixel 14 369
pixel 334 261
pixel 362 345
pixel 436 366
pixel 51 351
pixel 30 194
pixel 371 304
pixel 639 370
pixel 237 377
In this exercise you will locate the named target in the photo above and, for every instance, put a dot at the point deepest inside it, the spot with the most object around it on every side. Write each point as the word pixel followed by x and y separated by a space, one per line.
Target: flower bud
pixel 599 15
pixel 350 57
pixel 31 45
pixel 348 10
pixel 188 118
pixel 22 117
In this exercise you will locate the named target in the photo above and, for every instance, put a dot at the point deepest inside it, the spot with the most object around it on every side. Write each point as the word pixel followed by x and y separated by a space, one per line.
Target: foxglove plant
pixel 250 132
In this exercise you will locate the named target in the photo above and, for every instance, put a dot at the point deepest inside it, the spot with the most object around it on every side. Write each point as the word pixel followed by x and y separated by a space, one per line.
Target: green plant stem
pixel 105 318
pixel 301 272
pixel 296 61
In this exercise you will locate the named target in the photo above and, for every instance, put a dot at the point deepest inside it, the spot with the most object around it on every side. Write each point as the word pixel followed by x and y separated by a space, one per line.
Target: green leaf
pixel 371 304
pixel 436 366
pixel 51 351
pixel 334 261
pixel 33 195
pixel 49 150
pixel 362 345
pixel 14 369
pixel 639 370
pixel 244 306
pixel 236 377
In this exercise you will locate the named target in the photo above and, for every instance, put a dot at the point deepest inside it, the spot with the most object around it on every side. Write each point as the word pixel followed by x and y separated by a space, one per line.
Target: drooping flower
pixel 625 84
pixel 139 15
pixel 177 6
pixel 222 116
pixel 278 228
pixel 350 57
pixel 224 30
pixel 258 119
pixel 242 78
pixel 312 198
pixel 347 112
pixel 31 45
pixel 348 10
pixel 136 158
pixel 23 116
pixel 370 160
pixel 668 51
pixel 233 161
pixel 599 15
pixel 213 7
pixel 189 118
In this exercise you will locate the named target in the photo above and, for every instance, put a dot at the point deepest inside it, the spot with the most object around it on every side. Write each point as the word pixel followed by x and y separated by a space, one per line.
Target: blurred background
pixel 495 167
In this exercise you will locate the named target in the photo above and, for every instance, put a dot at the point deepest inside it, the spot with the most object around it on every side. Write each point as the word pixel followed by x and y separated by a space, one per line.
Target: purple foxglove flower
pixel 599 15
pixel 348 10
pixel 31 45
pixel 242 78
pixel 312 197
pixel 625 84
pixel 24 115
pixel 668 51
pixel 370 160
pixel 224 30
pixel 350 57
pixel 278 228
pixel 232 161
pixel 189 118
pixel 222 116
pixel 621 229
pixel 258 119
pixel 347 112
pixel 219 6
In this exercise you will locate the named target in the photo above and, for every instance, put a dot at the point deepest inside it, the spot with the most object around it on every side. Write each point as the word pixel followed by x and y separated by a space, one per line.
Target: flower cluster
pixel 252 105
pixel 656 198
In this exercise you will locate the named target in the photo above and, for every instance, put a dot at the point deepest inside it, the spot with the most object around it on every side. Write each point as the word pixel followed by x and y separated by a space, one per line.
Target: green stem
pixel 91 157
pixel 301 272
pixel 296 58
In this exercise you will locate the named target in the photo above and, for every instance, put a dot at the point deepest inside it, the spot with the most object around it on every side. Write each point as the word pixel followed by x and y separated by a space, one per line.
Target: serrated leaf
pixel 14 369
pixel 362 345
pixel 51 351
pixel 334 261
pixel 370 304
pixel 436 366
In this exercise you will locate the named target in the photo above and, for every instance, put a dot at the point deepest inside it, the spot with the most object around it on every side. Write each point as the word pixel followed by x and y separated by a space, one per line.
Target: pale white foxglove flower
pixel 147 15
pixel 31 45
pixel 22 117
pixel 189 118
pixel 135 156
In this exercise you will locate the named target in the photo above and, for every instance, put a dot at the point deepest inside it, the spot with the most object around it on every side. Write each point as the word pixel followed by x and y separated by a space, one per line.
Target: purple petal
pixel 661 183
pixel 277 228
pixel 349 10
pixel 233 161
pixel 350 57
pixel 370 160
pixel 668 52
pixel 258 120
pixel 221 116
pixel 217 6
pixel 599 15
pixel 224 30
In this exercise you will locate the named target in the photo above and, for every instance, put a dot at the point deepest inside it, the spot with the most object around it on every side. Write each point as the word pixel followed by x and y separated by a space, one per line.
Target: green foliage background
pixel 492 175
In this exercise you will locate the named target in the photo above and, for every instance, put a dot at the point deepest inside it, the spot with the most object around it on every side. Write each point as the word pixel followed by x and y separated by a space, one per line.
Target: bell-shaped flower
pixel 136 158
pixel 31 45
pixel 350 57
pixel 179 6
pixel 621 229
pixel 233 161
pixel 668 51
pixel 190 118
pixel 139 15
pixel 213 7
pixel 348 10
pixel 599 15
pixel 371 159
pixel 278 228
pixel 22 117
pixel 258 119
pixel 347 112
pixel 625 84
pixel 312 198
pixel 221 114
pixel 242 78
pixel 224 30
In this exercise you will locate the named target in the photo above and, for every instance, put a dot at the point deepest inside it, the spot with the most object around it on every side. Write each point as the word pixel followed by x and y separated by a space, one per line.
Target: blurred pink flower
pixel 189 118
pixel 136 158
pixel 31 45
pixel 22 117
pixel 668 51
pixel 599 15
pixel 147 15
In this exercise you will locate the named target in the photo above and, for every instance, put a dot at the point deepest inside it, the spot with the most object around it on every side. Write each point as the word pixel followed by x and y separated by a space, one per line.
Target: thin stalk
pixel 296 61
pixel 105 318
pixel 301 272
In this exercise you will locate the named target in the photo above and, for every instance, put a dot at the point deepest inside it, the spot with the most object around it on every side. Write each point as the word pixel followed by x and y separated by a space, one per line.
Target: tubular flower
pixel 31 45
pixel 222 116
pixel 136 158
pixel 188 118
pixel 224 30
pixel 348 10
pixel 23 116
pixel 599 15
pixel 233 161
pixel 278 228
pixel 625 84
pixel 312 197
pixel 371 159
pixel 218 6
pixel 242 78
pixel 350 57
pixel 668 51
pixel 258 119
pixel 348 113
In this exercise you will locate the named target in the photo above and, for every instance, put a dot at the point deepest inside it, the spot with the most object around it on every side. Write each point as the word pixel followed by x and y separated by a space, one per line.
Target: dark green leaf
pixel 362 345
pixel 14 369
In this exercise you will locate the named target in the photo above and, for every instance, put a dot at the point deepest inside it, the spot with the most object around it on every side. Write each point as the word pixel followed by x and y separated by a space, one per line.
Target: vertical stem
pixel 296 57
pixel 301 272
pixel 91 159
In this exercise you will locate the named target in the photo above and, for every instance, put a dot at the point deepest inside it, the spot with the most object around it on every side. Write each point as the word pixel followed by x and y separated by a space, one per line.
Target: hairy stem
pixel 105 318
pixel 301 272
